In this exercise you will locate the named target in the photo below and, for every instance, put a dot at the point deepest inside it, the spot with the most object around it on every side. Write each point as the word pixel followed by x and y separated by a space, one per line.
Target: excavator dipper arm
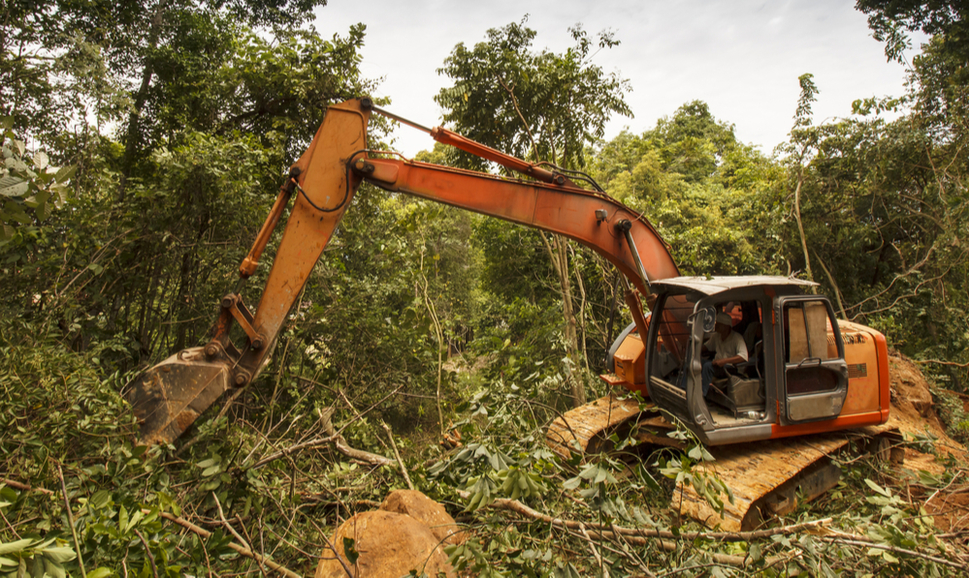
pixel 171 395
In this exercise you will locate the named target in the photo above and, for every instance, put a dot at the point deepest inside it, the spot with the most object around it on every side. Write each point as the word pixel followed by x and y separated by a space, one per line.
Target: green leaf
pixel 877 488
pixel 59 555
pixel 16 546
pixel 63 175
pixel 205 464
pixel 122 518
pixel 101 572
pixel 11 186
pixel 351 552
pixel 41 160
pixel 54 569
pixel 134 520
pixel 572 483
pixel 15 212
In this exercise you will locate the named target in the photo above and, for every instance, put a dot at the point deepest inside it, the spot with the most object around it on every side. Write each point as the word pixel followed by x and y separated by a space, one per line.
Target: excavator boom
pixel 168 397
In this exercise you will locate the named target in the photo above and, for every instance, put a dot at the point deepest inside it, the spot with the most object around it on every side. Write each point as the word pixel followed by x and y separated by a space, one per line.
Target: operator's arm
pixel 729 361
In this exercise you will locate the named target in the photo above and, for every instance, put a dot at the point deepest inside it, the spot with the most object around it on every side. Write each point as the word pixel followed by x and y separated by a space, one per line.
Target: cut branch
pixel 333 438
pixel 400 462
pixel 239 549
pixel 520 508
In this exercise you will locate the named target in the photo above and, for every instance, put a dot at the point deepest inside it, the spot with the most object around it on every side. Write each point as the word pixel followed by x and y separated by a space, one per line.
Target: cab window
pixel 807 347
pixel 807 324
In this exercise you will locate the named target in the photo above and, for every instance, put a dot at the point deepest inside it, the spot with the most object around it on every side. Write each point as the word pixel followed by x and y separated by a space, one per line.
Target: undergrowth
pixel 66 437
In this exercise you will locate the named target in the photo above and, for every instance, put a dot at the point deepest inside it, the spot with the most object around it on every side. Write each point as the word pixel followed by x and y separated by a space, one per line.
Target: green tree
pixel 541 106
pixel 225 109
pixel 713 199
pixel 893 194
pixel 692 142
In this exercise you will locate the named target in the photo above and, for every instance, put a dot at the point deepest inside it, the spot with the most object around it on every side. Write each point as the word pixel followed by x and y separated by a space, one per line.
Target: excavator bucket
pixel 168 397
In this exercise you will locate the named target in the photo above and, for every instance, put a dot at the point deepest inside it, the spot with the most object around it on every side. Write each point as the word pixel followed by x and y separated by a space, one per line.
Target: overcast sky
pixel 743 58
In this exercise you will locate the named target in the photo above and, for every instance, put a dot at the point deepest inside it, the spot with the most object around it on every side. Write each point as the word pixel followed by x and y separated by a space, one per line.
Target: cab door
pixel 815 373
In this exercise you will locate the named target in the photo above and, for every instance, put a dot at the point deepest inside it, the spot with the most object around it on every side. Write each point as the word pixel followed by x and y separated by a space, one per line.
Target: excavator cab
pixel 795 371
pixel 806 373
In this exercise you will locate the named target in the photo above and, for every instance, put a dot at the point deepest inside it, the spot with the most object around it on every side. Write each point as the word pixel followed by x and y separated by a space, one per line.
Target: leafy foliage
pixel 439 325
pixel 27 182
pixel 543 106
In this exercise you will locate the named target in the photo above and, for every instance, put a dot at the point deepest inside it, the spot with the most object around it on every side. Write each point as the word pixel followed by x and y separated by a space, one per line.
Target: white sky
pixel 743 58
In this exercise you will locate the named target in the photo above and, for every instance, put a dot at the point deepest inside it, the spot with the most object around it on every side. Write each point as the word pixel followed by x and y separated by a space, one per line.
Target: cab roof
pixel 714 285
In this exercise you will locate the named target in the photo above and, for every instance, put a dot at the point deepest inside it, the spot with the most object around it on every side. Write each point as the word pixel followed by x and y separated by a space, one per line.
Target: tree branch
pixel 239 549
pixel 400 462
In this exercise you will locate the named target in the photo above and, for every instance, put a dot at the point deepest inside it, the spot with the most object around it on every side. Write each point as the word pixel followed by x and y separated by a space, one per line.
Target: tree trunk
pixel 801 229
pixel 557 248
pixel 133 134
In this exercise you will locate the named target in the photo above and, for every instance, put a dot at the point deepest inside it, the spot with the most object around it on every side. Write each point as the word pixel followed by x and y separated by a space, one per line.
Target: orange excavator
pixel 807 374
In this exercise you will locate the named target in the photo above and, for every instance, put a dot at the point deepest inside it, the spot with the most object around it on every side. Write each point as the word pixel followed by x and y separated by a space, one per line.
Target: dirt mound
pixel 913 413
pixel 912 406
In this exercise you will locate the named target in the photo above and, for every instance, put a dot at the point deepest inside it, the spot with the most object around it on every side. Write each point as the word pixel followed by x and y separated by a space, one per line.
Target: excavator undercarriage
pixel 766 479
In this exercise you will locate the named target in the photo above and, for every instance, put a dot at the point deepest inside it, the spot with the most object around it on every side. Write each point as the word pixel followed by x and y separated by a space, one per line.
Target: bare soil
pixel 913 413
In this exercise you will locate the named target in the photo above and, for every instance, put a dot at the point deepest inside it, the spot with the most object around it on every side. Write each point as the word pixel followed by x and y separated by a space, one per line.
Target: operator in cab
pixel 728 348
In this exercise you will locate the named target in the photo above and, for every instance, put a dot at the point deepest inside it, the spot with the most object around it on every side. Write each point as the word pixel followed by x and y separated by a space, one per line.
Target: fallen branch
pixel 596 553
pixel 239 549
pixel 671 546
pixel 24 487
pixel 70 520
pixel 891 548
pixel 333 438
pixel 148 552
pixel 319 498
pixel 319 441
pixel 228 526
pixel 639 535
pixel 400 462
pixel 519 507
pixel 341 444
pixel 941 362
